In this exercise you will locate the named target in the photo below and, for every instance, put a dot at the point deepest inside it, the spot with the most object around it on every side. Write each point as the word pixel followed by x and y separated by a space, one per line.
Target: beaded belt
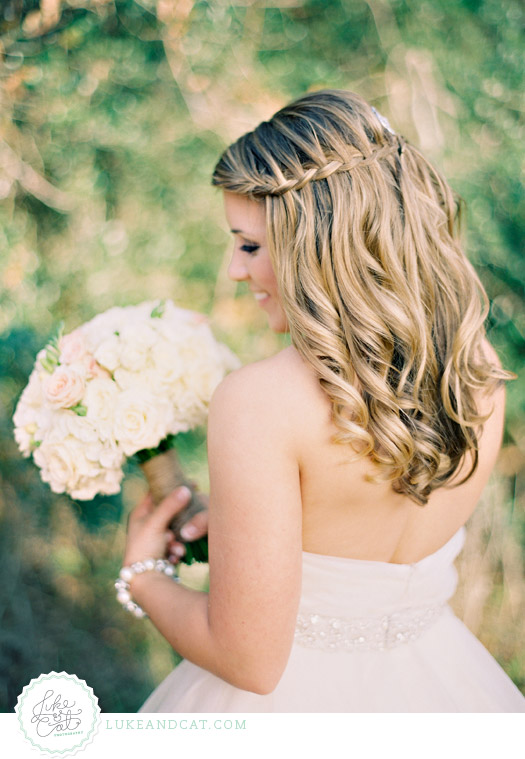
pixel 365 634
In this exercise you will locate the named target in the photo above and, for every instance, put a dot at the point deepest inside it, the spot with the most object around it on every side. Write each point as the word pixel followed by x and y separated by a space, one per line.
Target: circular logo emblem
pixel 58 714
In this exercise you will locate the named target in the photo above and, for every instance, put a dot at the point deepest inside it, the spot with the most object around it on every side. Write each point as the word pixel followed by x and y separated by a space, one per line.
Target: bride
pixel 342 469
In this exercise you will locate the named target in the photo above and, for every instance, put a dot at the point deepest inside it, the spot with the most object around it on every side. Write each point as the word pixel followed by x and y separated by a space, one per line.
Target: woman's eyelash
pixel 249 248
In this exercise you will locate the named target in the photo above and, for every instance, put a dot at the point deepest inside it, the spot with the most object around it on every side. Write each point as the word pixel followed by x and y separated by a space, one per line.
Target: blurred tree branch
pixel 15 169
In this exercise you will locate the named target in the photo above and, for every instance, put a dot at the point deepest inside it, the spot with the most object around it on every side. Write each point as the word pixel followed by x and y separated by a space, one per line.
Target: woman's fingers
pixel 196 527
pixel 149 532
pixel 143 509
pixel 177 500
pixel 176 551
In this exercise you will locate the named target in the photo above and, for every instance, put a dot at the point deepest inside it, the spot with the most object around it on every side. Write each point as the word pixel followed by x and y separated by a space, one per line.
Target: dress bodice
pixel 360 604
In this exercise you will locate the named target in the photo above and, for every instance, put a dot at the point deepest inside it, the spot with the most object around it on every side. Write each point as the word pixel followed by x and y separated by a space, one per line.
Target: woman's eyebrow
pixel 240 232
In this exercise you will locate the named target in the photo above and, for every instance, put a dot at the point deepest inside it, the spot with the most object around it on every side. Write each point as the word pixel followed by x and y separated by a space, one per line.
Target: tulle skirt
pixel 370 637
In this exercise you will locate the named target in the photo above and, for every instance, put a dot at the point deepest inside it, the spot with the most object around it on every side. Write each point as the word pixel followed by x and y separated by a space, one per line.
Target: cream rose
pixel 107 353
pixel 64 388
pixel 63 463
pixel 100 400
pixel 24 436
pixel 141 420
pixel 32 394
pixel 107 483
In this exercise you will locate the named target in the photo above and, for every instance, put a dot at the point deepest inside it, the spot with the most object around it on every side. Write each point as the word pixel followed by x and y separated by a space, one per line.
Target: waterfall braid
pixel 379 297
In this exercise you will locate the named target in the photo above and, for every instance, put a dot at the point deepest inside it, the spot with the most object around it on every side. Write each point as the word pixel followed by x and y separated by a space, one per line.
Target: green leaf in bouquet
pixel 158 311
pixel 52 358
pixel 196 551
pixel 79 409
pixel 55 339
pixel 48 363
pixel 149 453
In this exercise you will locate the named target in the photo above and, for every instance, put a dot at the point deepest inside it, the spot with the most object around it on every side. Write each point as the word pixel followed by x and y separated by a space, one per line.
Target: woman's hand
pixel 193 529
pixel 149 535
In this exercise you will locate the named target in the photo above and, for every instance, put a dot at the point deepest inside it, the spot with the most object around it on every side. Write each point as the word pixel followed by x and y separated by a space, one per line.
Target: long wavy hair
pixel 380 299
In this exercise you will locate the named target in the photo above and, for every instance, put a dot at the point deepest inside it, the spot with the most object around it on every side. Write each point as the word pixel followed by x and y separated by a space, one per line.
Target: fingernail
pixel 179 550
pixel 183 493
pixel 188 531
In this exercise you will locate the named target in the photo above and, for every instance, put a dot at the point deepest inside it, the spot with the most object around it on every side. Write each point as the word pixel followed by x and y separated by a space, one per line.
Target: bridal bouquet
pixel 124 383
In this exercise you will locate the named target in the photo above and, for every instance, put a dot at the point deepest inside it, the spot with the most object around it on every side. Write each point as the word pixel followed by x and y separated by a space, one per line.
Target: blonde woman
pixel 343 468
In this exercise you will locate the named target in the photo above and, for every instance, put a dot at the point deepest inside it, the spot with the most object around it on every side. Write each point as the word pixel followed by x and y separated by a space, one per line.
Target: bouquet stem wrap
pixel 164 473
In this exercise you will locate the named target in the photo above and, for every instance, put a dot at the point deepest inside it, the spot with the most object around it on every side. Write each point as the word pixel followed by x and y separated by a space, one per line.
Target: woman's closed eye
pixel 249 248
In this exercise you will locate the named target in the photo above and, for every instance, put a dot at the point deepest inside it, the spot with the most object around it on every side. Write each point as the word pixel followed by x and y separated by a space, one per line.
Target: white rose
pixel 141 420
pixel 24 437
pixel 137 341
pixel 24 414
pixel 103 326
pixel 66 423
pixel 128 380
pixel 107 354
pixel 31 425
pixel 134 356
pixel 63 463
pixel 109 456
pixel 64 388
pixel 86 489
pixel 100 400
pixel 97 449
pixel 29 416
pixel 205 380
pixel 148 379
pixel 33 394
pixel 106 483
pixel 110 481
pixel 167 362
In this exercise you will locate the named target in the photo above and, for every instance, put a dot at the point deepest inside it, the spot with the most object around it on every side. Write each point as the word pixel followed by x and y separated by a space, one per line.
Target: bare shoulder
pixel 279 397
pixel 280 379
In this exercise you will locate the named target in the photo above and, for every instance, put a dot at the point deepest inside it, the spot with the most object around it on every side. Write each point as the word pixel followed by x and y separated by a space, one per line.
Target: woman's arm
pixel 242 630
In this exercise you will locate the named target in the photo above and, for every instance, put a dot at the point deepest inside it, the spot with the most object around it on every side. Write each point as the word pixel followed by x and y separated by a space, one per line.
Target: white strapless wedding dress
pixel 370 637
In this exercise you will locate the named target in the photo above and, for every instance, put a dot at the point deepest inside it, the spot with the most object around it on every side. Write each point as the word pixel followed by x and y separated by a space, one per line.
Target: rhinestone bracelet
pixel 126 574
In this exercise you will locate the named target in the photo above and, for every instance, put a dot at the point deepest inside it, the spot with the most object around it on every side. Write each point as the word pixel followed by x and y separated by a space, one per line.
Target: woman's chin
pixel 277 320
pixel 278 324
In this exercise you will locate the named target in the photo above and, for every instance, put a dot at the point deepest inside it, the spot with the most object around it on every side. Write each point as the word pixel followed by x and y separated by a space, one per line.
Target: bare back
pixel 347 515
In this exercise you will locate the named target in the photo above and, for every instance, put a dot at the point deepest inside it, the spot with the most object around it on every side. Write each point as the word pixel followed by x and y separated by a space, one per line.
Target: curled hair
pixel 379 297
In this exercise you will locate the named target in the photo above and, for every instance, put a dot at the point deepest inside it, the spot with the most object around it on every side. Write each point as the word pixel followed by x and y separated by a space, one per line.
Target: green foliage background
pixel 112 115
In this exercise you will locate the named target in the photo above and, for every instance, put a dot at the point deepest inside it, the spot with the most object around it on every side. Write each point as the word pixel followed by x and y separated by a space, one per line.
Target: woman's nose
pixel 237 269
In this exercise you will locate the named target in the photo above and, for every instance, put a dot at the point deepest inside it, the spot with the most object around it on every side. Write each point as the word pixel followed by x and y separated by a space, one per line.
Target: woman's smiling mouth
pixel 260 296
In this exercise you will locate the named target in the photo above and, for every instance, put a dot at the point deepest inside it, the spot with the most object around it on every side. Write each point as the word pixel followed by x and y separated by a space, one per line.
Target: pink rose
pixel 72 347
pixel 64 388
pixel 95 370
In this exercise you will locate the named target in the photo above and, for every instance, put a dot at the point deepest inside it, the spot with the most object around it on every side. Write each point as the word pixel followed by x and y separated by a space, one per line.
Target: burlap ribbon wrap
pixel 164 473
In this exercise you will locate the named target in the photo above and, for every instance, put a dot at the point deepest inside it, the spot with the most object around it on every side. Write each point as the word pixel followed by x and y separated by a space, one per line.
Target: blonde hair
pixel 379 297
